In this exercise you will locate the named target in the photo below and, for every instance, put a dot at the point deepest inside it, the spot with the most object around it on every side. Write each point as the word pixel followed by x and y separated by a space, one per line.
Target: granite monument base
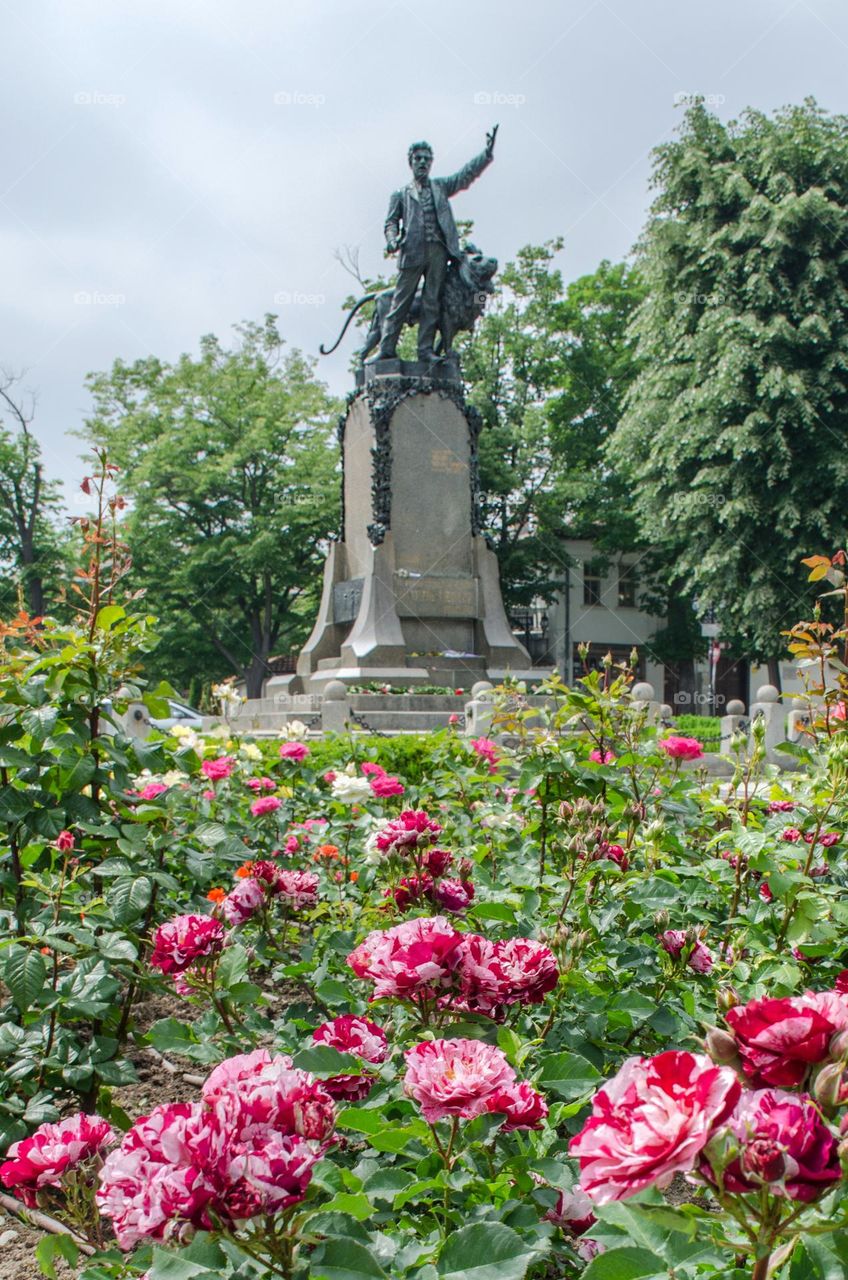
pixel 411 590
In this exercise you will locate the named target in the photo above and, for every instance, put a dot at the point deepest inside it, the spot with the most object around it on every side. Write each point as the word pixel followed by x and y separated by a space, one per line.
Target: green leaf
pixel 24 974
pixel 628 1263
pixel 129 897
pixel 324 1060
pixel 345 1259
pixel 485 1251
pixel 49 1248
pixel 108 616
pixel 357 1205
pixel 569 1075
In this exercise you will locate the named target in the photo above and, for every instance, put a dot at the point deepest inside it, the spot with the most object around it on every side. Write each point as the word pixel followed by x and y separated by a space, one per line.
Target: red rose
pixel 781 1140
pixel 779 1039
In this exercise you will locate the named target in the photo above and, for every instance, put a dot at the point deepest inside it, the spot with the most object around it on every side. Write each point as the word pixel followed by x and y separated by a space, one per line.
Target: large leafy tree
pixel 734 430
pixel 228 459
pixel 31 541
pixel 549 365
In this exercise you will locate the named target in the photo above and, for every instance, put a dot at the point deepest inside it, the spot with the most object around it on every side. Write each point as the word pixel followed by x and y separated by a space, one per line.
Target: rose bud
pixel 830 1088
pixel 721 1046
pixel 764 1159
pixel 839 1046
pixel 727 998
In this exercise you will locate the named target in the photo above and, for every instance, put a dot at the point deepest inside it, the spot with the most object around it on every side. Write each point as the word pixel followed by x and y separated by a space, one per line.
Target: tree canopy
pixel 734 427
pixel 228 459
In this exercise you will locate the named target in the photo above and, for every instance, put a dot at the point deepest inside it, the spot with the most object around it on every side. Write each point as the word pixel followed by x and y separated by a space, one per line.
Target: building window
pixel 592 583
pixel 627 586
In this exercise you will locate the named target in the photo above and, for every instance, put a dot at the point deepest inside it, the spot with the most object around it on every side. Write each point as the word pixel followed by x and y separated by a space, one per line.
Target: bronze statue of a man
pixel 420 224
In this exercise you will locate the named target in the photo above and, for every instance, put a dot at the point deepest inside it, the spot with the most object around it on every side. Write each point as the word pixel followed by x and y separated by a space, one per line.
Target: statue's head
pixel 420 157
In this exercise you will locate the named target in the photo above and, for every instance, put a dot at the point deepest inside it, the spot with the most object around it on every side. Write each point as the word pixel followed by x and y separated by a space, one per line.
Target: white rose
pixel 349 789
pixel 294 731
pixel 250 751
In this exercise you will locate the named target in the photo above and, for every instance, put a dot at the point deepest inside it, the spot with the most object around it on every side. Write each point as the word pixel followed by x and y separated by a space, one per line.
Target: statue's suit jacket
pixel 405 212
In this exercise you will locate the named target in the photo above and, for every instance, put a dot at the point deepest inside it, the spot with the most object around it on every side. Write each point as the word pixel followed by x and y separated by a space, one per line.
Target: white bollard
pixel 480 711
pixel 335 707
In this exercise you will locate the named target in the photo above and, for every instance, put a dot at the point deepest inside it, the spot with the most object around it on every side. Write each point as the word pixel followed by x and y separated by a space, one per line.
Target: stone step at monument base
pixel 391 720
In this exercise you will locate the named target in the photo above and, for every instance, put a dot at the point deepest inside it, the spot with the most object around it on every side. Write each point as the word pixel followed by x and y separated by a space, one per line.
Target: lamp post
pixel 710 630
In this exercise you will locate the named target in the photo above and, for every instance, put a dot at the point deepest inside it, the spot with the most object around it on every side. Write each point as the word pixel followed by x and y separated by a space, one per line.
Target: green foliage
pixel 549 366
pixel 707 729
pixel 728 435
pixel 230 463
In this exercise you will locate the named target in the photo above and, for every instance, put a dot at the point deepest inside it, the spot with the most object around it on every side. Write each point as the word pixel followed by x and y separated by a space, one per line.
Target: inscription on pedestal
pixel 432 597
pixel 346 598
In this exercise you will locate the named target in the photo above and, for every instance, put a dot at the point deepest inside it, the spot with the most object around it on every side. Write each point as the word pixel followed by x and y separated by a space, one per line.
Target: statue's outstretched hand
pixel 490 140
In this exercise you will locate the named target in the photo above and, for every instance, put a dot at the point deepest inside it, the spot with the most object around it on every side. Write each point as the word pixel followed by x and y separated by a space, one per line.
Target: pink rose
pixel 523 1107
pixel 261 784
pixel 453 718
pixel 329 777
pixel 217 769
pixel 369 768
pixel 152 790
pixel 779 1139
pixel 780 1038
pixel 64 841
pixel 573 1210
pixel 414 829
pixel 41 1159
pixel 243 901
pixel 650 1121
pixel 780 806
pixel 265 804
pixel 528 969
pixel 601 757
pixel 700 958
pixel 673 941
pixel 486 749
pixel 296 751
pixel 681 748
pixel 385 785
pixel 455 1077
pixel 358 1036
pixel 414 960
pixel 243 1067
pixel 159 1173
pixel 208 795
pixel 454 895
pixel 182 941
pixel 297 889
pixel 791 835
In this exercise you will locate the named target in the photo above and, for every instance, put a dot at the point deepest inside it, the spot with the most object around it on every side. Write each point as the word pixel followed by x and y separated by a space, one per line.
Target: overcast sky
pixel 174 166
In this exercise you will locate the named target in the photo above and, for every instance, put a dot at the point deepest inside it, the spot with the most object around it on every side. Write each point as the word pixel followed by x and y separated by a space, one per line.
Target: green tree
pixel 734 428
pixel 549 366
pixel 229 460
pixel 30 539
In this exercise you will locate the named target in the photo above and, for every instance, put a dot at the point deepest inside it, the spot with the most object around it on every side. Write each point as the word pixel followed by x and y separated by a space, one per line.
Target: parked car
pixel 179 713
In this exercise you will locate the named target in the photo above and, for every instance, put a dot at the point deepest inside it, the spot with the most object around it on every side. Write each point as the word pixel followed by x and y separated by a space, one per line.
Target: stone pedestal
pixel 411 590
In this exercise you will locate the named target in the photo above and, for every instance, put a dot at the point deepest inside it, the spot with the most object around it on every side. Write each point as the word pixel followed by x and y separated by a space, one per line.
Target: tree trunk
pixel 774 673
pixel 255 676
